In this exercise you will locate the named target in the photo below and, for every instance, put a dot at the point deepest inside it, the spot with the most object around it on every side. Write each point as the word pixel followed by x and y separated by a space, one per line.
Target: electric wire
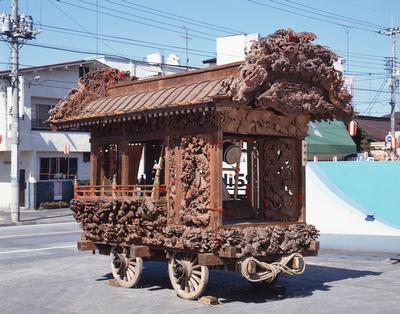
pixel 176 17
pixel 334 15
pixel 311 17
pixel 146 18
pixel 378 92
pixel 141 43
pixel 89 52
pixel 134 21
pixel 124 40
pixel 81 26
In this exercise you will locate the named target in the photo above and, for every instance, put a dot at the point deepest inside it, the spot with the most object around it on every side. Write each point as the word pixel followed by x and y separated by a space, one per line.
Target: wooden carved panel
pixel 189 180
pixel 280 191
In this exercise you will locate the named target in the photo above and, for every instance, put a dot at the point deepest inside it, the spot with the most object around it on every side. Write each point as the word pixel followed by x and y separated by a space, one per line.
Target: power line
pixel 80 25
pixel 134 42
pixel 368 63
pixel 370 79
pixel 176 17
pixel 369 8
pixel 376 95
pixel 87 52
pixel 25 65
pixel 157 45
pixel 335 15
pixel 117 41
pixel 135 21
pixel 311 17
pixel 149 44
pixel 370 90
pixel 125 40
pixel 362 54
pixel 148 19
pixel 366 67
pixel 358 73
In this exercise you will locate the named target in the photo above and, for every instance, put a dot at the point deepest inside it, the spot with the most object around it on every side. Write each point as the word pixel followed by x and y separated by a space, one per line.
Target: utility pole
pixel 17 29
pixel 14 176
pixel 392 31
pixel 186 38
pixel 347 29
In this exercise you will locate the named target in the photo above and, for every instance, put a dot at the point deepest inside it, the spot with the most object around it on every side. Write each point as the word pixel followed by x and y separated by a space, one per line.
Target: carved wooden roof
pixel 284 73
pixel 176 93
pixel 172 98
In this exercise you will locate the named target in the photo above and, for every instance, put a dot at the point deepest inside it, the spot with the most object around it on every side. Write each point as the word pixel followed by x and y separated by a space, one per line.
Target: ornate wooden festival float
pixel 204 169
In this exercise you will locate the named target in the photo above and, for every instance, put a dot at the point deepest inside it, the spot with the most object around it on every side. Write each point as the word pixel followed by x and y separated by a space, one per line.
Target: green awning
pixel 329 138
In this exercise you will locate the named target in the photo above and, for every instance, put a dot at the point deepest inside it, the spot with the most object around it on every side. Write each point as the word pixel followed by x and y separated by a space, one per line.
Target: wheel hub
pixel 120 262
pixel 183 270
pixel 187 269
pixel 179 271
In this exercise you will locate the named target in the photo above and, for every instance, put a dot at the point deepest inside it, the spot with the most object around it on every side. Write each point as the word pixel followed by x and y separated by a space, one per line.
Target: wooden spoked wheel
pixel 188 278
pixel 126 270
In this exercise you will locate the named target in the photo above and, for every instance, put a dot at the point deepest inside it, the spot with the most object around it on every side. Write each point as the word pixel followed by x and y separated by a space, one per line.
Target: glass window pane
pixel 53 168
pixel 43 111
pixel 63 168
pixel 73 167
pixel 44 169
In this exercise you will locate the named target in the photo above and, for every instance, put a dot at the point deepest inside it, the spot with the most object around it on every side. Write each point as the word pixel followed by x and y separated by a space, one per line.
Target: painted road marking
pixel 43 225
pixel 41 249
pixel 38 234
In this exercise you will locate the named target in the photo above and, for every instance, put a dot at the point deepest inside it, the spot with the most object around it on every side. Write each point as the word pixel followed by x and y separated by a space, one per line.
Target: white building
pixel 45 172
pixel 234 48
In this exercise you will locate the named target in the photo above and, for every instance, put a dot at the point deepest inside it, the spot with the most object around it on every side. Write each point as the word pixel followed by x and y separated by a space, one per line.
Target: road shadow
pixel 231 287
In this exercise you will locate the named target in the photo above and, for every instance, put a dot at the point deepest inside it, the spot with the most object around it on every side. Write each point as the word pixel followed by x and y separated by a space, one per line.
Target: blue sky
pixel 367 49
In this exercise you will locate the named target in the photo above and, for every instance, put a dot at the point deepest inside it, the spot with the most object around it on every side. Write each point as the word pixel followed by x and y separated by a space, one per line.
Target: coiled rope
pixel 269 271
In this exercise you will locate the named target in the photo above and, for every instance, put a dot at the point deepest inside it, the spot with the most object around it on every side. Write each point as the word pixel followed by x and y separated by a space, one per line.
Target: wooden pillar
pixel 301 181
pixel 216 148
pixel 114 187
pixel 167 173
pixel 178 184
pixel 76 187
pixel 100 177
pixel 94 169
pixel 124 164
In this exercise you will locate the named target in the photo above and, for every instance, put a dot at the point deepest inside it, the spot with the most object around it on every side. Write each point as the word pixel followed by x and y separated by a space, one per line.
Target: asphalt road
pixel 42 272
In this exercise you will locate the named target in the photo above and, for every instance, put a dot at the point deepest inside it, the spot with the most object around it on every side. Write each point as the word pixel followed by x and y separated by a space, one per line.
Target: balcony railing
pixel 40 124
pixel 132 192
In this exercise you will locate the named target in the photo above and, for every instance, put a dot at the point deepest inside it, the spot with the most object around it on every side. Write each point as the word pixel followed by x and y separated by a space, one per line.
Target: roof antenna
pixel 186 38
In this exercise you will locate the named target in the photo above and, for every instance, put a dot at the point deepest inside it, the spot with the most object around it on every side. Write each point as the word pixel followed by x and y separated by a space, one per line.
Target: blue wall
pixel 371 187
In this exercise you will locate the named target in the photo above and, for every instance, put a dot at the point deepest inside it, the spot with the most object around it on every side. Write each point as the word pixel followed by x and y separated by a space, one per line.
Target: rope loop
pixel 255 271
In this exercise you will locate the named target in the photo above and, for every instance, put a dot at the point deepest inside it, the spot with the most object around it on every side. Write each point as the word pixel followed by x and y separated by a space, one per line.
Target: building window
pixel 83 71
pixel 40 116
pixel 54 168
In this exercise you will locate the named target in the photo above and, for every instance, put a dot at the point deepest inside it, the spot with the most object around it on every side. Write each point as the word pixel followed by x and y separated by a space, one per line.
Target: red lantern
pixel 66 149
pixel 353 128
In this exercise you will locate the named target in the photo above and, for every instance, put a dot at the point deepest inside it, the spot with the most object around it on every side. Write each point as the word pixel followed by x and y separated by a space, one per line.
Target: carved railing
pixel 158 193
